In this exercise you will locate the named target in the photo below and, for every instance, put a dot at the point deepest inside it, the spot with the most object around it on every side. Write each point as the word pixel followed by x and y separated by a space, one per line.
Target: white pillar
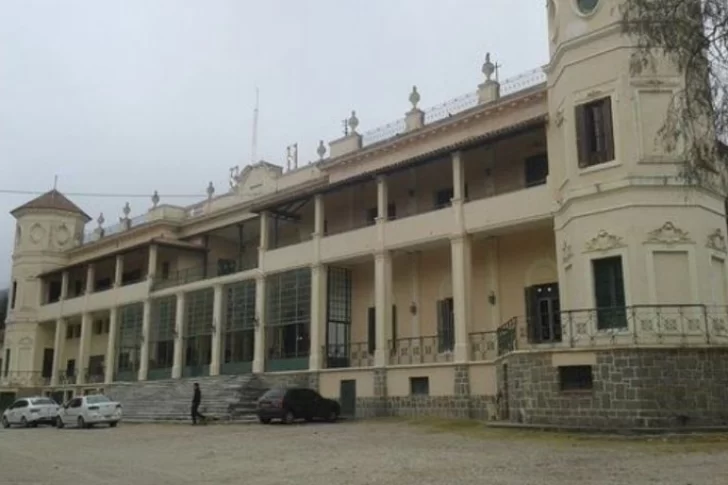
pixel 152 267
pixel 383 305
pixel 461 281
pixel 458 176
pixel 260 316
pixel 110 364
pixel 58 346
pixel 319 215
pixel 179 325
pixel 144 348
pixel 217 329
pixel 118 270
pixel 90 278
pixel 382 198
pixel 318 316
pixel 64 285
pixel 83 348
pixel 264 230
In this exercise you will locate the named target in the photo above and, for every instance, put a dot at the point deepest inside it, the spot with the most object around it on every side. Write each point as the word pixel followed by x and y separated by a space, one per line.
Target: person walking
pixel 196 398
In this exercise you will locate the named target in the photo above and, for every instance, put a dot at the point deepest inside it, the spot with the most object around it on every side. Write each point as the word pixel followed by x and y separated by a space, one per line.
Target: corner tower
pixel 47 227
pixel 629 231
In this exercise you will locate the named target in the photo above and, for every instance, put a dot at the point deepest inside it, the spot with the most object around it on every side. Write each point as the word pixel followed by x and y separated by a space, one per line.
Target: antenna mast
pixel 254 144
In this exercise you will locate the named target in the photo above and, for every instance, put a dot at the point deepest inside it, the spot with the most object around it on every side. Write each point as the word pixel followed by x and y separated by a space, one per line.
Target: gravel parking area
pixel 377 452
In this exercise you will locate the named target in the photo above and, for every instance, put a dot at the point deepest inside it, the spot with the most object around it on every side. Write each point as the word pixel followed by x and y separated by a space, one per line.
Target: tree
pixel 693 36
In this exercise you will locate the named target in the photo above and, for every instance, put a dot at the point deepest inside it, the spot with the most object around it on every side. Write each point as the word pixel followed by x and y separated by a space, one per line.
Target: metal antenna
pixel 346 126
pixel 55 182
pixel 254 144
pixel 497 68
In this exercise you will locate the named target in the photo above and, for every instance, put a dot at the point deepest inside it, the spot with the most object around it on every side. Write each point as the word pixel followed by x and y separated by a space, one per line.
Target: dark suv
pixel 290 404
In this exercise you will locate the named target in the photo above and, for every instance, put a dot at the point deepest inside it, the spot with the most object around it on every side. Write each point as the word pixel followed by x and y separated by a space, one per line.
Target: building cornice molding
pixel 580 41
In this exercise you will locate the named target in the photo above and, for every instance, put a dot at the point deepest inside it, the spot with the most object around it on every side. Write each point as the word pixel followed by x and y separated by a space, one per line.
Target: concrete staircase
pixel 224 398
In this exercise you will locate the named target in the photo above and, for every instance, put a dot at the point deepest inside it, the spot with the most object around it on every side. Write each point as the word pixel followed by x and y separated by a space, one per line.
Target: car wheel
pixel 23 422
pixel 333 416
pixel 59 423
pixel 113 424
pixel 289 417
pixel 264 420
pixel 6 424
pixel 82 422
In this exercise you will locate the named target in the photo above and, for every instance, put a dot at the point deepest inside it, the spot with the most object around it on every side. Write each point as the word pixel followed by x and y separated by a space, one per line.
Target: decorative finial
pixel 210 190
pixel 321 150
pixel 126 210
pixel 488 68
pixel 155 199
pixel 101 220
pixel 414 97
pixel 353 122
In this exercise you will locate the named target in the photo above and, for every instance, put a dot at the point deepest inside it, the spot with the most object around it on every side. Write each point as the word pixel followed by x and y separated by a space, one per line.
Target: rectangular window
pixel 54 291
pixel 13 297
pixel 576 378
pixel 372 329
pixel 419 386
pixel 372 216
pixel 609 293
pixel 537 169
pixel 165 270
pixel 443 198
pixel 594 132
pixel 445 325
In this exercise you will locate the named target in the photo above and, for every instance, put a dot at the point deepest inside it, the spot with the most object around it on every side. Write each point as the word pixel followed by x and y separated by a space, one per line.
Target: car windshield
pixel 97 399
pixel 273 393
pixel 43 402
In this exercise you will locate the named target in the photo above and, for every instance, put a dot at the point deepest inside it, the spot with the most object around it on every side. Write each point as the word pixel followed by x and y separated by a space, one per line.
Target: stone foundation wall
pixel 632 388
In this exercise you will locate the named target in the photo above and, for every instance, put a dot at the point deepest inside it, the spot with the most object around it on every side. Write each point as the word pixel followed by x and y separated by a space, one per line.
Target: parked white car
pixel 87 411
pixel 30 411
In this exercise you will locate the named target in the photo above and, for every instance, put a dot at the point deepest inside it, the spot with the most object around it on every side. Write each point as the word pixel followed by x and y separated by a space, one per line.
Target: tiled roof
pixel 53 200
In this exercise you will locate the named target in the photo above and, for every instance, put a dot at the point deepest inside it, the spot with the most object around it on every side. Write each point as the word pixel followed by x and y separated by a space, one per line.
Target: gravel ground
pixel 375 452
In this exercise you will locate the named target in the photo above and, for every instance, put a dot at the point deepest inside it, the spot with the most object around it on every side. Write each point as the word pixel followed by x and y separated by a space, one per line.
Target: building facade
pixel 527 252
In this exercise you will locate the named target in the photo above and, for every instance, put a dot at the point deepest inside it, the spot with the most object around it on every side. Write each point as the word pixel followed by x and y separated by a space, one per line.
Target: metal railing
pixel 202 272
pixel 671 325
pixel 94 376
pixel 420 350
pixel 353 354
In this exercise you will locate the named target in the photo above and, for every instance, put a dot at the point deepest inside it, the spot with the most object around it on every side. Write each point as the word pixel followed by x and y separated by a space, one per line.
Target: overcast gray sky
pixel 129 96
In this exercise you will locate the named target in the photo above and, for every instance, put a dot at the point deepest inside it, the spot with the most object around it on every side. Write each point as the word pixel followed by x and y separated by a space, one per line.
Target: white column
pixel 179 325
pixel 319 215
pixel 90 278
pixel 260 315
pixel 382 198
pixel 118 270
pixel 264 237
pixel 383 305
pixel 217 329
pixel 64 285
pixel 144 348
pixel 83 348
pixel 458 176
pixel 461 282
pixel 152 267
pixel 318 316
pixel 58 346
pixel 110 364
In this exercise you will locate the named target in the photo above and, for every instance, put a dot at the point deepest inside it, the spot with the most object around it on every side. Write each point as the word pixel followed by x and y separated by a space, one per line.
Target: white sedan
pixel 30 411
pixel 87 411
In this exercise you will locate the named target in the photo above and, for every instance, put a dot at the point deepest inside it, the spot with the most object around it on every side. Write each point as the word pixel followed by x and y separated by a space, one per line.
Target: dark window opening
pixel 78 288
pixel 372 330
pixel 537 169
pixel 7 362
pixel 443 198
pixel 165 270
pixel 419 386
pixel 371 216
pixel 445 325
pixel 576 378
pixel 594 132
pixel 225 266
pixel 131 277
pixel 103 284
pixel 13 297
pixel 609 293
pixel 71 368
pixel 54 291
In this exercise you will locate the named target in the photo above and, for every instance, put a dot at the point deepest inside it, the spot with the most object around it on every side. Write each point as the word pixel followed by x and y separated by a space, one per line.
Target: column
pixel 110 364
pixel 179 325
pixel 217 329
pixel 319 215
pixel 64 285
pixel 318 316
pixel 461 281
pixel 90 278
pixel 144 350
pixel 152 267
pixel 83 348
pixel 118 270
pixel 458 176
pixel 382 198
pixel 264 236
pixel 58 345
pixel 383 305
pixel 260 316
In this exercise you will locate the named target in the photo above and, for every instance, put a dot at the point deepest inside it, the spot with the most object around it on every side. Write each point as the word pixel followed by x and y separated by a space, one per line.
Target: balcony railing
pixel 202 272
pixel 420 350
pixel 23 379
pixel 355 354
pixel 483 345
pixel 673 325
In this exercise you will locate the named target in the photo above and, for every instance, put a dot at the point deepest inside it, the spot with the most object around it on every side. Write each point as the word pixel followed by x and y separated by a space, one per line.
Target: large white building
pixel 526 252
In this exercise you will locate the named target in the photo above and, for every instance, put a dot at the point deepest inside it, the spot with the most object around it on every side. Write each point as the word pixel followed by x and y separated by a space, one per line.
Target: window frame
pixel 616 308
pixel 588 156
pixel 577 378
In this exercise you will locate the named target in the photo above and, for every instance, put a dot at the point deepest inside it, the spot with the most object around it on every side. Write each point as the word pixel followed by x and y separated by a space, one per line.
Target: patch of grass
pixel 667 443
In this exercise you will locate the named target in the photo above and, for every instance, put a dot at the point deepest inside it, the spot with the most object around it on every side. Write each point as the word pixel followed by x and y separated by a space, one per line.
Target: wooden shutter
pixel 608 129
pixel 372 327
pixel 582 148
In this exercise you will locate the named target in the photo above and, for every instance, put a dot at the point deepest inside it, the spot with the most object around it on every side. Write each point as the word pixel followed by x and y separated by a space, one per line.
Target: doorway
pixel 347 397
pixel 47 369
pixel 543 313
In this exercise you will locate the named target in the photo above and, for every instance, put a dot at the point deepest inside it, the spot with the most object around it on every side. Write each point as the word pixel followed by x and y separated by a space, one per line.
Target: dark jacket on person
pixel 197 397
